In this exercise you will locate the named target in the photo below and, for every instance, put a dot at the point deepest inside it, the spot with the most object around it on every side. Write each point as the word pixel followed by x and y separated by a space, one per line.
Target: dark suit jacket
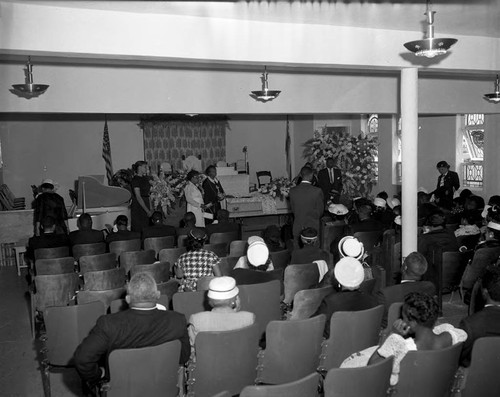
pixel 158 231
pixel 451 183
pixel 86 237
pixel 344 301
pixel 307 205
pixel 326 186
pixel 483 323
pixel 46 240
pixel 396 293
pixel 121 235
pixel 126 330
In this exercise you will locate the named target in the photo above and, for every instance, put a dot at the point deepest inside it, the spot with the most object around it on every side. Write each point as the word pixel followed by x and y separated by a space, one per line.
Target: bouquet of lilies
pixel 277 188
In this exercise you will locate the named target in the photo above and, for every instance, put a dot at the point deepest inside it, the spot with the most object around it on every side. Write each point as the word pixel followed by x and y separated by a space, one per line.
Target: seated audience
pixel 381 213
pixel 310 251
pixel 225 315
pixel 345 295
pixel 485 322
pixel 272 238
pixel 122 233
pixel 366 222
pixel 142 325
pixel 468 232
pixel 187 223
pixel 338 213
pixel 424 207
pixel 158 228
pixel 222 225
pixel 48 239
pixel 415 330
pixel 85 234
pixel 257 257
pixel 414 267
pixel 197 262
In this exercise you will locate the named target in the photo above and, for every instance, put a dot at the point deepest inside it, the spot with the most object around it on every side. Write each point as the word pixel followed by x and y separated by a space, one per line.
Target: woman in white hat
pixel 225 315
pixel 257 257
pixel 49 203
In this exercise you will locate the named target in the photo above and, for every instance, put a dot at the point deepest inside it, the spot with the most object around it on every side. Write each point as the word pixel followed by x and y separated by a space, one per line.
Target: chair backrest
pixel 369 239
pixel 189 303
pixel 238 248
pixel 182 240
pixel 482 378
pixel 388 241
pixel 307 301
pixel 104 279
pixel 453 266
pixel 203 282
pixel 124 246
pixel 263 177
pixel 128 259
pixel 305 387
pixel 394 313
pixel 171 255
pixel 148 371
pixel 55 290
pixel 396 258
pixel 292 350
pixel 263 300
pixel 94 263
pixel 280 259
pixel 369 381
pixel 428 372
pixel 219 249
pixel 159 270
pixel 169 288
pixel 66 327
pixel 55 266
pixel 49 253
pixel 226 265
pixel 351 332
pixel 106 297
pixel 250 276
pixel 225 360
pixel 80 250
pixel 223 237
pixel 158 243
pixel 330 234
pixel 299 277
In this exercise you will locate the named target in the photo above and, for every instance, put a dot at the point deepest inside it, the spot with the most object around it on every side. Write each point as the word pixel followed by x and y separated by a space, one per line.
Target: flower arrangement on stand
pixel 277 188
pixel 166 190
pixel 355 156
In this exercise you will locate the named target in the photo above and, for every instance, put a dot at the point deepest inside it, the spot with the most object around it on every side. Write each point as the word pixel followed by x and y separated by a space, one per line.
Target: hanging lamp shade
pixel 429 46
pixel 29 89
pixel 494 96
pixel 265 94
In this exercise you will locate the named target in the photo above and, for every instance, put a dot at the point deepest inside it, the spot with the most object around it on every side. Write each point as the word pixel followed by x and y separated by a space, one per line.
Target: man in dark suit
pixel 345 295
pixel 448 182
pixel 85 234
pixel 48 239
pixel 366 223
pixel 122 233
pixel 414 267
pixel 486 322
pixel 306 202
pixel 158 229
pixel 223 225
pixel 142 325
pixel 330 181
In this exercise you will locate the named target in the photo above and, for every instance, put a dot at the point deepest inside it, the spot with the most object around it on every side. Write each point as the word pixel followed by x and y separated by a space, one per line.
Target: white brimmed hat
pixel 397 220
pixel 349 273
pixel 493 225
pixel 222 288
pixel 253 239
pixel 48 181
pixel 379 202
pixel 257 253
pixel 393 202
pixel 350 246
pixel 338 209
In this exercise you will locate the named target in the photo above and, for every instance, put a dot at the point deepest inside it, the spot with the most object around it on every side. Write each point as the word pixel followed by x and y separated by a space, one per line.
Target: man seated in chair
pixel 85 234
pixel 48 239
pixel 310 251
pixel 366 222
pixel 414 267
pixel 485 322
pixel 122 233
pixel 225 315
pixel 223 225
pixel 158 229
pixel 142 325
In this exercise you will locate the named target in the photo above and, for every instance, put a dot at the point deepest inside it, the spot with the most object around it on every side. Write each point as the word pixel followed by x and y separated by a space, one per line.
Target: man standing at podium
pixel 330 181
pixel 307 203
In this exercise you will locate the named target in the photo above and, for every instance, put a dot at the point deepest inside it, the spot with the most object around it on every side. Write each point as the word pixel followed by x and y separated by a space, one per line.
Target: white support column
pixel 409 143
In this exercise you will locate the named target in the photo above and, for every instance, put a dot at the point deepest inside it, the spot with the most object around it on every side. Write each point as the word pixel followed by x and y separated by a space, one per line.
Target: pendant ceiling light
pixel 265 94
pixel 429 46
pixel 494 96
pixel 28 89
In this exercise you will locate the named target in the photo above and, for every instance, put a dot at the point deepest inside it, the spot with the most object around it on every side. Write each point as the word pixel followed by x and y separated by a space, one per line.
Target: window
pixel 372 132
pixel 473 150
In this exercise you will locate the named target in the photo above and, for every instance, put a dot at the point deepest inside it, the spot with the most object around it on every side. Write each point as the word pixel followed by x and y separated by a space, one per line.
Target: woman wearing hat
pixel 49 203
pixel 225 315
pixel 448 182
pixel 194 197
pixel 197 262
pixel 257 257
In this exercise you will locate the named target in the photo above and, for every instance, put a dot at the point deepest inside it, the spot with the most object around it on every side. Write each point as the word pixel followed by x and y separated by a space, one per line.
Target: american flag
pixel 106 152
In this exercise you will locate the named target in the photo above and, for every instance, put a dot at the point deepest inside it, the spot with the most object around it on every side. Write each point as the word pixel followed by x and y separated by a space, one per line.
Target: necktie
pixel 330 171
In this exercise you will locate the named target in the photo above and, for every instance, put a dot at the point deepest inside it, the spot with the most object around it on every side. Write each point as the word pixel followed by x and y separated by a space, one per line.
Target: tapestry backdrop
pixel 169 140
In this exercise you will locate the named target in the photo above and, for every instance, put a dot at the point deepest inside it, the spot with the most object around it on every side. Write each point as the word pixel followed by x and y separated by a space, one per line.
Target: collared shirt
pixel 441 183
